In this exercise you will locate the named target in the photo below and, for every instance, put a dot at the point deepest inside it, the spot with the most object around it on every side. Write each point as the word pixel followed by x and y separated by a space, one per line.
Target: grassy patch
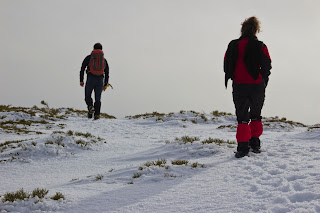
pixel 205 119
pixel 40 193
pixel 216 113
pixel 194 121
pixel 227 126
pixel 13 196
pixel 196 164
pixel 180 162
pixel 284 120
pixel 137 175
pixel 317 126
pixel 160 162
pixel 99 177
pixel 11 142
pixel 85 135
pixel 70 133
pixel 147 115
pixel 187 139
pixel 217 141
pixel 58 196
pixel 82 142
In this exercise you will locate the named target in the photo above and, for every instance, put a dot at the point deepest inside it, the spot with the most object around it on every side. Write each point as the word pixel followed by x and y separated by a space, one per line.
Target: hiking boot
pixel 96 117
pixel 255 144
pixel 242 149
pixel 90 111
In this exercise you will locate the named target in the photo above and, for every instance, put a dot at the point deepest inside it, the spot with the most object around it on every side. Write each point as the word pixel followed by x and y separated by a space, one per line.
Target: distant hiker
pixel 97 70
pixel 248 64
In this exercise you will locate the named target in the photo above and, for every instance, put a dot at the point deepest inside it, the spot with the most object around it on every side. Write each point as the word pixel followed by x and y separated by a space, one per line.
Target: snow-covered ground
pixel 132 164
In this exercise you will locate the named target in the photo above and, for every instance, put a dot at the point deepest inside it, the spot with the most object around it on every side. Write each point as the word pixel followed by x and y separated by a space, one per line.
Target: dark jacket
pixel 247 63
pixel 85 65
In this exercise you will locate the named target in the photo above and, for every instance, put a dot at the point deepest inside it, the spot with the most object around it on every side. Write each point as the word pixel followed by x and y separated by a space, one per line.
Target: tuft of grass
pixel 160 162
pixel 227 126
pixel 148 163
pixel 107 116
pixel 18 195
pixel 59 141
pixel 187 139
pixel 284 120
pixel 70 133
pixel 216 113
pixel 316 126
pixel 57 132
pixel 194 121
pixel 11 142
pixel 196 164
pixel 99 177
pixel 194 112
pixel 58 196
pixel 86 135
pixel 180 162
pixel 217 141
pixel 147 115
pixel 202 116
pixel 82 143
pixel 137 175
pixel 49 142
pixel 40 193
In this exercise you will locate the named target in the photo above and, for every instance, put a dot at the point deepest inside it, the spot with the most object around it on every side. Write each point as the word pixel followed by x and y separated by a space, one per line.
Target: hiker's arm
pixel 265 62
pixel 85 63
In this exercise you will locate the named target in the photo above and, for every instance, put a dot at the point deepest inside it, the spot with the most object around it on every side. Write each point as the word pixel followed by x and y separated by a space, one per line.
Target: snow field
pixel 116 173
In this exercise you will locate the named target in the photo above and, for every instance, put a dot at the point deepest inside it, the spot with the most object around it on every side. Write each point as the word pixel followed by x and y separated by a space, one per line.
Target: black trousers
pixel 94 83
pixel 248 106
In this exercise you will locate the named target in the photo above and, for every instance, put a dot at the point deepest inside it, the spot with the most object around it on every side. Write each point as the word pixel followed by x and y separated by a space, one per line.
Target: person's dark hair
pixel 250 26
pixel 97 46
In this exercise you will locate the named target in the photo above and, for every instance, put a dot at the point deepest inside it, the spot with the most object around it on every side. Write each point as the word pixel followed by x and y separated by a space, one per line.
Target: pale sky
pixel 164 55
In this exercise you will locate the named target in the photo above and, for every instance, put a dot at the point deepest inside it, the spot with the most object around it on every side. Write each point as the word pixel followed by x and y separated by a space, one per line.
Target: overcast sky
pixel 164 55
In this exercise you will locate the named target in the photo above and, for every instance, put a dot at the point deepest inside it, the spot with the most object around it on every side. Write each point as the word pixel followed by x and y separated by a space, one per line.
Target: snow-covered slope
pixel 176 162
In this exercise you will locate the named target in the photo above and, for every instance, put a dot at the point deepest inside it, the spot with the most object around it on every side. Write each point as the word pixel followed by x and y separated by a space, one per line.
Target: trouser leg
pixel 88 91
pixel 97 92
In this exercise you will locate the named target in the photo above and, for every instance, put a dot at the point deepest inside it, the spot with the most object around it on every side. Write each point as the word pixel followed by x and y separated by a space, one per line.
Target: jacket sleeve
pixel 230 60
pixel 106 73
pixel 85 63
pixel 265 63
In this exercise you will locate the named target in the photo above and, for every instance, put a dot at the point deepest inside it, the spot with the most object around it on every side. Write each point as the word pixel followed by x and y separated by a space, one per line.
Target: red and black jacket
pixel 247 62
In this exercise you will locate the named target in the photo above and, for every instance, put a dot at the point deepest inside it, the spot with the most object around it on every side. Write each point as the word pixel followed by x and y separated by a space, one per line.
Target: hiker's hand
pixel 104 88
pixel 81 84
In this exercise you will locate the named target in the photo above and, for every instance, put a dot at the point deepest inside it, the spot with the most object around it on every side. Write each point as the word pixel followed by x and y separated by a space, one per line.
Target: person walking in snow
pixel 247 62
pixel 97 70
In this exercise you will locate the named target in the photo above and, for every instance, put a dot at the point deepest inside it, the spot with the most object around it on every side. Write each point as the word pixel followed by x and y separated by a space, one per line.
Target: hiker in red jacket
pixel 248 64
pixel 97 70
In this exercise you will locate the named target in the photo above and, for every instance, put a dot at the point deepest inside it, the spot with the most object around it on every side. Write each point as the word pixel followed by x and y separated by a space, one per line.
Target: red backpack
pixel 97 64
